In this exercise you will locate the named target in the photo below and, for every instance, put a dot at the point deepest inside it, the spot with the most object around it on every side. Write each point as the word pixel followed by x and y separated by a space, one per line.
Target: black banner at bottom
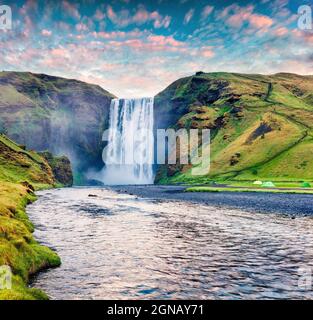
pixel 104 310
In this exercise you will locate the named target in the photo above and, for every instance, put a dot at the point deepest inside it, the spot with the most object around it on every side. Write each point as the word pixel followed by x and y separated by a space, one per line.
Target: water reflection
pixel 116 246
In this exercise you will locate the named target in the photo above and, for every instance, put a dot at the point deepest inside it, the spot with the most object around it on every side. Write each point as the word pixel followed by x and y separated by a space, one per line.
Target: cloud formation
pixel 189 16
pixel 134 48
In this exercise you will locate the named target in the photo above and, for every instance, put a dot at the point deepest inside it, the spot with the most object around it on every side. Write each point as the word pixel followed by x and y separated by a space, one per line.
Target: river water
pixel 119 246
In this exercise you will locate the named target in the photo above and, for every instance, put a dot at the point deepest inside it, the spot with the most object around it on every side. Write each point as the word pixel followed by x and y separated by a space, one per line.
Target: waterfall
pixel 129 154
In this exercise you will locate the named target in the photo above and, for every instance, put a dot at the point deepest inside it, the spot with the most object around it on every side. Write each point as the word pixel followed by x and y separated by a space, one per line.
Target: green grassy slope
pixel 262 126
pixel 20 172
pixel 64 116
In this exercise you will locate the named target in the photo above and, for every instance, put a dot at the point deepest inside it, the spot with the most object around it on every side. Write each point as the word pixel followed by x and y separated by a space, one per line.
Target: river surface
pixel 119 246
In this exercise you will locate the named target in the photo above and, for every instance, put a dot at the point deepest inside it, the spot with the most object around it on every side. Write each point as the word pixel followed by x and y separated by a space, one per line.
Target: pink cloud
pixel 207 10
pixel 99 15
pixel 206 52
pixel 260 21
pixel 54 63
pixel 81 27
pixel 163 41
pixel 71 9
pixel 63 26
pixel 123 18
pixel 30 6
pixel 152 43
pixel 302 36
pixel 119 34
pixel 58 52
pixel 107 35
pixel 28 23
pixel 80 37
pixel 308 37
pixel 280 32
pixel 189 16
pixel 236 16
pixel 111 14
pixel 141 16
pixel 31 54
pixel 164 22
pixel 46 33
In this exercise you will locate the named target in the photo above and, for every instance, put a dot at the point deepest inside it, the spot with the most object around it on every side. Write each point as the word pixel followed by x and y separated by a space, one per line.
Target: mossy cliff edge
pixel 21 173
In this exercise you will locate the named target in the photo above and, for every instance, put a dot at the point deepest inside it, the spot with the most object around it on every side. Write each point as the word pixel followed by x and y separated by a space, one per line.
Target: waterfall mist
pixel 61 136
pixel 130 137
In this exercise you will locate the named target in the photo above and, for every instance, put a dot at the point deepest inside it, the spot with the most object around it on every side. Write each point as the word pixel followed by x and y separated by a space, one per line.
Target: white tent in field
pixel 258 183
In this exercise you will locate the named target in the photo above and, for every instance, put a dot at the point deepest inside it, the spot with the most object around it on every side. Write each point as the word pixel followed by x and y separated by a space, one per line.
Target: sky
pixel 135 48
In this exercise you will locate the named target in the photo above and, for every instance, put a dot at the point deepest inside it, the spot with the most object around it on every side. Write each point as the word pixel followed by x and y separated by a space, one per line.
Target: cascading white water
pixel 130 151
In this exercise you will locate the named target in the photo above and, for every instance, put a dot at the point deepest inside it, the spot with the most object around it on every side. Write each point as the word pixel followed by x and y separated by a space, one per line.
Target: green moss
pixel 61 168
pixel 20 172
pixel 18 249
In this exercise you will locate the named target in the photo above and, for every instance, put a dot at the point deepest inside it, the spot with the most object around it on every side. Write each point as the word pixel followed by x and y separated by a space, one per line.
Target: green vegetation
pixel 21 172
pixel 217 189
pixel 268 184
pixel 261 126
pixel 51 113
pixel 306 185
pixel 61 168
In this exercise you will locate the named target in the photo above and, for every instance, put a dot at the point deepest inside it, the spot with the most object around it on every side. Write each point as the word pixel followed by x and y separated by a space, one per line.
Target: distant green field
pixel 264 190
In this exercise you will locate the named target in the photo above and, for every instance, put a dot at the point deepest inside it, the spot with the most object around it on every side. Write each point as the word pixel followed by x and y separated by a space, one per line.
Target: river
pixel 119 246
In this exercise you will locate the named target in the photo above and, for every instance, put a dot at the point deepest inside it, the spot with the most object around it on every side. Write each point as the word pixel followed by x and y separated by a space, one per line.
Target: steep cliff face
pixel 61 168
pixel 199 90
pixel 60 115
pixel 261 126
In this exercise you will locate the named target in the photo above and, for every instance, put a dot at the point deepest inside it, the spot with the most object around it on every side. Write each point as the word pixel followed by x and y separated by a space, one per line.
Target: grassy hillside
pixel 261 126
pixel 21 172
pixel 63 116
